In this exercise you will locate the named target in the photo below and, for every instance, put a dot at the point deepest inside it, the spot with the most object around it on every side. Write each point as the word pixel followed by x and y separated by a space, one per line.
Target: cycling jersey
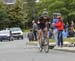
pixel 42 24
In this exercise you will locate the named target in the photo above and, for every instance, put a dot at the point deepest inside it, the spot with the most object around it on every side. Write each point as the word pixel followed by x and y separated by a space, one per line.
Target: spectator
pixel 60 27
pixel 72 25
pixel 35 28
pixel 66 30
pixel 71 30
pixel 66 27
pixel 50 33
pixel 55 32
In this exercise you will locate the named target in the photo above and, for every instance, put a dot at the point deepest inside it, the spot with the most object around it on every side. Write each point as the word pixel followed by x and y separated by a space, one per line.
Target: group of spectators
pixel 58 27
pixel 55 29
pixel 36 29
pixel 69 28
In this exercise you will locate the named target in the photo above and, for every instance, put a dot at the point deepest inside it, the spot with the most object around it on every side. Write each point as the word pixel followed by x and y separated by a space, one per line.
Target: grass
pixel 71 39
pixel 26 30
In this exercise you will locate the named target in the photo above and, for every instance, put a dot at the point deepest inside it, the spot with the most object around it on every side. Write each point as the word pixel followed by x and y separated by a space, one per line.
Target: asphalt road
pixel 17 50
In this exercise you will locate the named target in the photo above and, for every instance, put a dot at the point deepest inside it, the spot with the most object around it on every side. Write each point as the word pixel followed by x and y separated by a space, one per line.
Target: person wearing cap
pixel 60 27
pixel 55 31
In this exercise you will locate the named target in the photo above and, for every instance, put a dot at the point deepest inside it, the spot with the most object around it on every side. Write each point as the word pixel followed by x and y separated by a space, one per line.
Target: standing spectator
pixel 60 28
pixel 50 33
pixel 66 27
pixel 71 31
pixel 35 28
pixel 66 30
pixel 72 25
pixel 55 32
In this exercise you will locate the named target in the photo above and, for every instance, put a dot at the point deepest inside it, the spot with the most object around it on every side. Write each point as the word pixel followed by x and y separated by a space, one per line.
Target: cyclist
pixel 43 30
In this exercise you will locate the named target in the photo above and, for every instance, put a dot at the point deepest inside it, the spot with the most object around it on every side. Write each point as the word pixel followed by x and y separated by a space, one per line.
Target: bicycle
pixel 44 43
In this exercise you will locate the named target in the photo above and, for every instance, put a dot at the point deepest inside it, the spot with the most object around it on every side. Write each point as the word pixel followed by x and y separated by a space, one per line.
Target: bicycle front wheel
pixel 46 45
pixel 41 46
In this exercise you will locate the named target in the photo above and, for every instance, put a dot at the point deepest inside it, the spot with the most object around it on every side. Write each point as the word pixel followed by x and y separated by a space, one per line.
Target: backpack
pixel 30 36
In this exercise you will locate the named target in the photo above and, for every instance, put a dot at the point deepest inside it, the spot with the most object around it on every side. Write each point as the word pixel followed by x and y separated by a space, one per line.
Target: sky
pixel 9 1
pixel 13 1
pixel 37 0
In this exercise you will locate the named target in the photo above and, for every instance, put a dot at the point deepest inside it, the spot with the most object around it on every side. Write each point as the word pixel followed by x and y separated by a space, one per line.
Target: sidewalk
pixel 66 49
pixel 67 46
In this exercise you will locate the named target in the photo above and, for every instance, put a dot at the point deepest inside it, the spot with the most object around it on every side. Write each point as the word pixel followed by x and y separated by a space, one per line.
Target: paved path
pixel 21 54
pixel 17 50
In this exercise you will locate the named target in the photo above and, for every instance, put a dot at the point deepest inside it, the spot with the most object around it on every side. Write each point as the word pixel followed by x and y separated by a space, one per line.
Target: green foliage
pixel 26 10
pixel 3 16
pixel 17 14
pixel 13 14
pixel 65 7
pixel 31 9
pixel 2 12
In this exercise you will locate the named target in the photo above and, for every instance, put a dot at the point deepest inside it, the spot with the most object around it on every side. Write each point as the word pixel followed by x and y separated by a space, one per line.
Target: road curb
pixel 65 50
pixel 51 46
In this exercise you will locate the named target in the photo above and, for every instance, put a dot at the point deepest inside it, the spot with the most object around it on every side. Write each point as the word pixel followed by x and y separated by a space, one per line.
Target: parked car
pixel 16 32
pixel 5 35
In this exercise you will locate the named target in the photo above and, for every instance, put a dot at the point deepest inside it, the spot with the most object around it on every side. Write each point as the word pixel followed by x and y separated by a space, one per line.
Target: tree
pixel 65 7
pixel 3 16
pixel 31 9
pixel 15 14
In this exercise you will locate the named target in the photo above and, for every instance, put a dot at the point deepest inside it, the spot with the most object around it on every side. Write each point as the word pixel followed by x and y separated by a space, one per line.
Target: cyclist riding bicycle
pixel 43 35
pixel 42 28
